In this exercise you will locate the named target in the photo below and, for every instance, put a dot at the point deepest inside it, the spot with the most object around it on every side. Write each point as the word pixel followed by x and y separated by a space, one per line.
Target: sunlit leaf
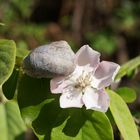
pixel 123 117
pixel 129 66
pixel 11 124
pixel 128 94
pixel 7 59
pixel 89 125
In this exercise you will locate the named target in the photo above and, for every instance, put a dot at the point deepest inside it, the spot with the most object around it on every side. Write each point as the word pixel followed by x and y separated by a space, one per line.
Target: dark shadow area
pixel 74 123
pixel 52 116
pixel 20 137
pixel 32 91
pixel 46 11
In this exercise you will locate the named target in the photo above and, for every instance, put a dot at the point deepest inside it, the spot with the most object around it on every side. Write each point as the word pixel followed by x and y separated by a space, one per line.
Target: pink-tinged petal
pixel 57 85
pixel 96 100
pixel 105 74
pixel 104 100
pixel 71 99
pixel 87 55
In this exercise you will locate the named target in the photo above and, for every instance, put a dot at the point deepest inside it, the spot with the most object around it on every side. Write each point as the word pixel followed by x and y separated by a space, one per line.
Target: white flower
pixel 86 85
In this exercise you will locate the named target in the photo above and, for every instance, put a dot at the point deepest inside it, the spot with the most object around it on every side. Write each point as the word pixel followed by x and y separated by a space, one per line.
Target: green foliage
pixel 9 87
pixel 24 7
pixel 126 18
pixel 123 117
pixel 87 126
pixel 15 9
pixel 102 42
pixel 11 124
pixel 7 59
pixel 128 67
pixel 2 24
pixel 30 31
pixel 21 52
pixel 22 49
pixel 41 109
pixel 128 94
pixel 33 93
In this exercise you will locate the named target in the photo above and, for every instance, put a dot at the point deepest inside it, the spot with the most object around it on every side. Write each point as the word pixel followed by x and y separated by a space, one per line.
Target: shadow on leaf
pixel 33 91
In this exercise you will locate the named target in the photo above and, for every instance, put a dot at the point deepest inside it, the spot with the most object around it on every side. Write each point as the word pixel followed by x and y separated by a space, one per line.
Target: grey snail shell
pixel 47 61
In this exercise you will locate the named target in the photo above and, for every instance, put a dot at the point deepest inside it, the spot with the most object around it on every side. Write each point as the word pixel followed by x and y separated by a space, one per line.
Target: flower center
pixel 84 80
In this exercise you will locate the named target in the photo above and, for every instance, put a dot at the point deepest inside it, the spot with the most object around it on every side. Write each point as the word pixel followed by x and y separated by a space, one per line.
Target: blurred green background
pixel 109 26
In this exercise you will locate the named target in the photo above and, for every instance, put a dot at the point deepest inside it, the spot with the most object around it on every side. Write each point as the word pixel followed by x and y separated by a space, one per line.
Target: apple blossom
pixel 86 85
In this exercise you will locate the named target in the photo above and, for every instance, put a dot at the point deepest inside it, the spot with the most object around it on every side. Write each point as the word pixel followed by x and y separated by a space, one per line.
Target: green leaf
pixel 9 87
pixel 128 94
pixel 33 94
pixel 7 59
pixel 123 117
pixel 11 124
pixel 128 67
pixel 89 125
pixel 41 110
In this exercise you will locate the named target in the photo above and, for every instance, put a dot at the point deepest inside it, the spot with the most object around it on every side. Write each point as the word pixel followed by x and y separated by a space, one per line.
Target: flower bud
pixel 54 59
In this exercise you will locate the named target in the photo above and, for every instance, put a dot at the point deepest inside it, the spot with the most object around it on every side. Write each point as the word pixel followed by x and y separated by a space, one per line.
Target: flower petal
pixel 57 85
pixel 90 98
pixel 87 55
pixel 71 99
pixel 79 71
pixel 104 100
pixel 96 100
pixel 105 74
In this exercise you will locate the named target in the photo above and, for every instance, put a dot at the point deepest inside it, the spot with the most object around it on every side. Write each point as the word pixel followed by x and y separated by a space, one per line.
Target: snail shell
pixel 54 59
